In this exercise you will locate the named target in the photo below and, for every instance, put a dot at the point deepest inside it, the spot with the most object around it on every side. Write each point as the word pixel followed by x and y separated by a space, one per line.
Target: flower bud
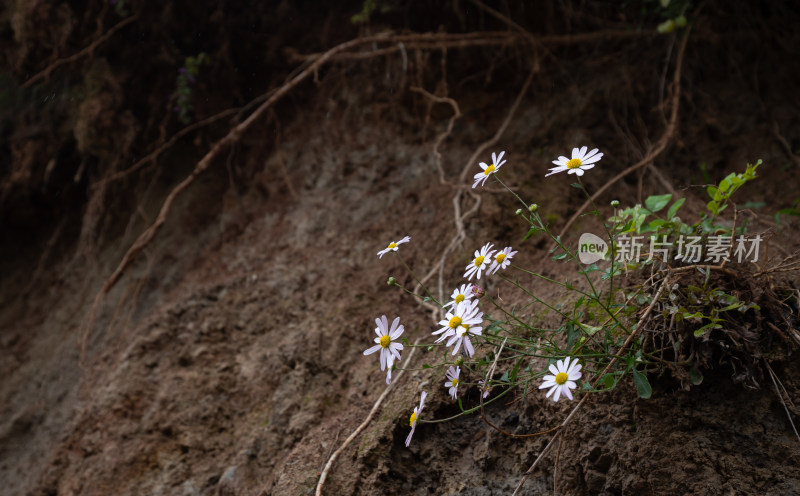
pixel 391 282
pixel 680 21
pixel 477 291
pixel 534 207
pixel 615 203
pixel 459 361
pixel 519 211
pixel 666 27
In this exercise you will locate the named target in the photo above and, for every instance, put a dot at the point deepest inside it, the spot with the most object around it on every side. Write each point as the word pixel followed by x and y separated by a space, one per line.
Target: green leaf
pixel 695 376
pixel 712 192
pixel 643 387
pixel 702 330
pixel 576 185
pixel 674 208
pixel 425 366
pixel 657 202
pixel 561 256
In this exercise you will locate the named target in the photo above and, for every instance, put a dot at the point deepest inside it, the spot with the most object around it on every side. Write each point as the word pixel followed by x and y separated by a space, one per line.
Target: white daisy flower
pixel 563 378
pixel 480 262
pixel 463 316
pixel 393 246
pixel 453 374
pixel 490 169
pixel 385 341
pixel 501 260
pixel 580 161
pixel 415 417
pixel 460 294
pixel 470 323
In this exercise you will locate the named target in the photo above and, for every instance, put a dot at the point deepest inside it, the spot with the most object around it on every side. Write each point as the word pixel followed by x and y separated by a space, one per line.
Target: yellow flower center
pixel 574 163
pixel 561 378
pixel 392 245
pixel 385 341
pixel 455 382
pixel 500 257
pixel 488 170
pixel 479 261
pixel 459 298
pixel 413 419
pixel 455 322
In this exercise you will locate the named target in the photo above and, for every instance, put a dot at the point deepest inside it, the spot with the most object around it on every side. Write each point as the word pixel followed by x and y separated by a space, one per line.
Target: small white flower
pixel 580 161
pixel 453 374
pixel 480 262
pixel 393 246
pixel 462 318
pixel 501 260
pixel 385 341
pixel 460 294
pixel 415 417
pixel 563 378
pixel 459 324
pixel 490 169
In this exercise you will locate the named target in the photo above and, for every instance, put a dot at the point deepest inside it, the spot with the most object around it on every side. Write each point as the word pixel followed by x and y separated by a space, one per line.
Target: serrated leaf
pixel 643 387
pixel 657 202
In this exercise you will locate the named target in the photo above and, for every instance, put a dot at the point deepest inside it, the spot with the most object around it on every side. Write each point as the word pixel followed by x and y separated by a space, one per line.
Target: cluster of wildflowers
pixel 462 329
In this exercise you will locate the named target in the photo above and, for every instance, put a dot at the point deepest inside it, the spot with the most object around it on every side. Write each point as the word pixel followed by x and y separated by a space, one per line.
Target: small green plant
pixel 187 77
pixel 120 7
pixel 368 8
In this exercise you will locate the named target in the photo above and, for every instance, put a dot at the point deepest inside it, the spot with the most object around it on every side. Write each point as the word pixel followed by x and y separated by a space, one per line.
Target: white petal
pixel 370 351
pixel 385 326
pixel 458 345
pixel 592 160
pixel 552 368
pixel 575 153
pixel 394 325
pixel 384 352
pixel 567 393
pixel 382 253
pixel 548 383
pixel 591 153
pixel 578 171
pixel 468 347
pixel 582 152
pixel 587 167
pixel 552 390
pixel 558 393
pixel 397 333
pixel 421 403
pixel 557 170
pixel 408 439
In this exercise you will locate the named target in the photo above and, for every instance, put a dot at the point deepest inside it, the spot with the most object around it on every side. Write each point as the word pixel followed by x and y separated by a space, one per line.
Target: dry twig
pixel 45 74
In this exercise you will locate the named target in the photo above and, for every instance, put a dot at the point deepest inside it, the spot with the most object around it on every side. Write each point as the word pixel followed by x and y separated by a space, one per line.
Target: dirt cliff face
pixel 227 357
